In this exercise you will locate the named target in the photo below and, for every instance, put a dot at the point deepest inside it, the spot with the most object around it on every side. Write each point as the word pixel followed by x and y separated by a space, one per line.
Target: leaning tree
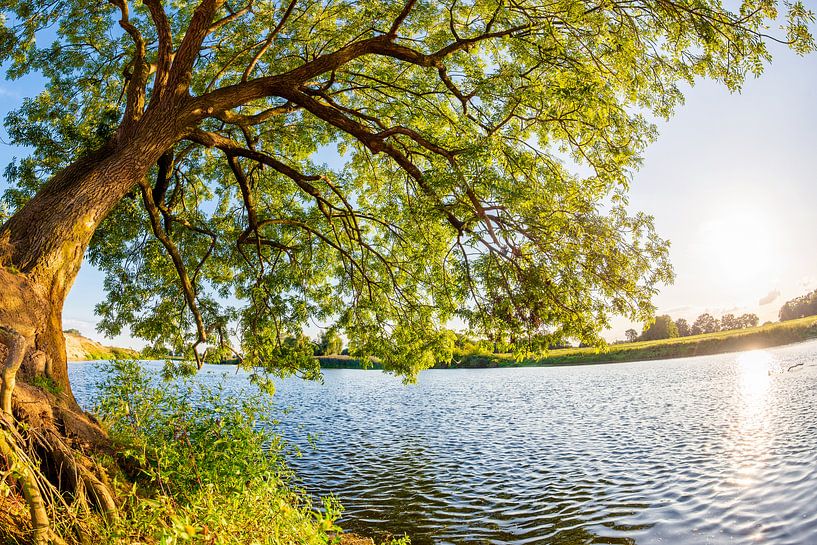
pixel 240 168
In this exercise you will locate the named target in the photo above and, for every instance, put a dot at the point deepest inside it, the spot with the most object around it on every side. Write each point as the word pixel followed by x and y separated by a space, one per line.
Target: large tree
pixel 384 166
pixel 662 328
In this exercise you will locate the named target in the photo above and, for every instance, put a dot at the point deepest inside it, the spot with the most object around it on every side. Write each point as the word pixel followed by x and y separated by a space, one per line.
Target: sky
pixel 731 182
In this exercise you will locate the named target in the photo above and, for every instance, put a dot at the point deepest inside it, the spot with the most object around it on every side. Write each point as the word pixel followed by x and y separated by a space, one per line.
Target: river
pixel 705 450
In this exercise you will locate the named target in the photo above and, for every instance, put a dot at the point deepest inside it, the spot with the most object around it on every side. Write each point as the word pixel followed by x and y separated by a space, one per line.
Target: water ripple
pixel 717 449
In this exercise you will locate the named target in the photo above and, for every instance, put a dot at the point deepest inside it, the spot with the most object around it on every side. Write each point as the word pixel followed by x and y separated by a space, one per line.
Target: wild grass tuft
pixel 201 469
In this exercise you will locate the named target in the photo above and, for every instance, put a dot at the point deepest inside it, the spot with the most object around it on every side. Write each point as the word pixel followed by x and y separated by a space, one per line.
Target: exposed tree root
pixel 32 484
pixel 79 473
pixel 16 350
pixel 45 459
pixel 24 472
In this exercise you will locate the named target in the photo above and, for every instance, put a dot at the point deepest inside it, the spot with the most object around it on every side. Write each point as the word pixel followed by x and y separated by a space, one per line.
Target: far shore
pixel 739 340
pixel 721 342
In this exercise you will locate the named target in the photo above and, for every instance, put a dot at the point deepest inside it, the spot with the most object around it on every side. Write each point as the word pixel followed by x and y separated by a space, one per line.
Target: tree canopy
pixel 799 307
pixel 381 166
pixel 662 328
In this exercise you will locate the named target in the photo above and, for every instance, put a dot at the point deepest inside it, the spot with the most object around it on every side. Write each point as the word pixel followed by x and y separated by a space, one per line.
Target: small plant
pixel 46 384
pixel 207 472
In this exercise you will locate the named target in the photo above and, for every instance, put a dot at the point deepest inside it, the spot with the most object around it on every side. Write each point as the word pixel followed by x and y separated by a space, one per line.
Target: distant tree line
pixel 664 327
pixel 799 307
pixel 329 343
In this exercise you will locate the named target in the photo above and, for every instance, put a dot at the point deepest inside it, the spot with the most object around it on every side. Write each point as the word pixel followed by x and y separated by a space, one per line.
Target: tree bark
pixel 43 244
pixel 41 250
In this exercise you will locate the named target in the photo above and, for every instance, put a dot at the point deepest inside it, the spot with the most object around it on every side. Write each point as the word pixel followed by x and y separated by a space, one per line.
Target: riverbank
pixel 79 348
pixel 191 466
pixel 766 336
pixel 739 340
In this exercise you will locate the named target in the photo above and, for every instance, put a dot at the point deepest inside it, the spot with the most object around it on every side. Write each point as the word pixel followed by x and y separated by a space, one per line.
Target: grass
pixel 190 465
pixel 681 347
pixel 738 340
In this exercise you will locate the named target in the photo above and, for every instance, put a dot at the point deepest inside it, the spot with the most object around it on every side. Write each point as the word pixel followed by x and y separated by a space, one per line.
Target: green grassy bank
pixel 766 336
pixel 185 464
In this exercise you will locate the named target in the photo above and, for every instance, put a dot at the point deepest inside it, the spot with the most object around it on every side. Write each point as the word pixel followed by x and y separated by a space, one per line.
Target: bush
pixel 204 471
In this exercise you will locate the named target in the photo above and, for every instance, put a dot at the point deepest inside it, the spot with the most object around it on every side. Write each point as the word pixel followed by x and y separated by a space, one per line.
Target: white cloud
pixel 808 282
pixel 769 297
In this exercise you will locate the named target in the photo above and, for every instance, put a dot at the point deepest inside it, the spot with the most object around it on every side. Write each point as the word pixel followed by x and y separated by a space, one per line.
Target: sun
pixel 742 244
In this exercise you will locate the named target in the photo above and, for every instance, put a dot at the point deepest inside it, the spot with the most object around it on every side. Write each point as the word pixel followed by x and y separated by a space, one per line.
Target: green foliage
pixel 206 474
pixel 484 153
pixel 329 344
pixel 805 305
pixel 47 384
pixel 155 352
pixel 705 323
pixel 730 321
pixel 662 328
pixel 683 327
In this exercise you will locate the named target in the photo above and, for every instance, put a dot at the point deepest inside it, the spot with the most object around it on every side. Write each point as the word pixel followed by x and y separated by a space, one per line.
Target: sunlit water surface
pixel 707 450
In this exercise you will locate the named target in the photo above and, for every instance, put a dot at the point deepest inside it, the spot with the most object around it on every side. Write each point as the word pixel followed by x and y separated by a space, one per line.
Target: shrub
pixel 205 472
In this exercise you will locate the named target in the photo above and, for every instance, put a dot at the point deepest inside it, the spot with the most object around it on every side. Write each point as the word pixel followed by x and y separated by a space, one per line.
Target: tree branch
pixel 165 48
pixel 268 41
pixel 227 19
pixel 181 71
pixel 188 289
pixel 375 142
pixel 401 17
pixel 137 71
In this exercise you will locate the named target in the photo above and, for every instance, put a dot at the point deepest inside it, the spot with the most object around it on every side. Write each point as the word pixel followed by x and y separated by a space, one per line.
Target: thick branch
pixel 243 120
pixel 376 143
pixel 139 70
pixel 401 17
pixel 181 71
pixel 231 96
pixel 231 147
pixel 165 49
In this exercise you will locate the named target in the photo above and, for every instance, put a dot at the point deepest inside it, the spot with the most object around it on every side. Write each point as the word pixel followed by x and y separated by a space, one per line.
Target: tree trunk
pixel 41 250
pixel 42 247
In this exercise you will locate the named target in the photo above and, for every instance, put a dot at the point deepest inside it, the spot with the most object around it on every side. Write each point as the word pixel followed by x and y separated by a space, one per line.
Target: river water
pixel 706 450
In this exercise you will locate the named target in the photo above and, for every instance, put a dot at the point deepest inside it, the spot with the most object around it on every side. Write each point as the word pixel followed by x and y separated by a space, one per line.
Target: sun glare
pixel 754 372
pixel 750 441
pixel 742 245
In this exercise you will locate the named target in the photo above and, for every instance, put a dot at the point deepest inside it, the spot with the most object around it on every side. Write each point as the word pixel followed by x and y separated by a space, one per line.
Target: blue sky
pixel 731 181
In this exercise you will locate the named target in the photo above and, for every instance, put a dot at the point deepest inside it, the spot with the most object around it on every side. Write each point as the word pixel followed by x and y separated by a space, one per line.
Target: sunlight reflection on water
pixel 750 439
pixel 755 369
